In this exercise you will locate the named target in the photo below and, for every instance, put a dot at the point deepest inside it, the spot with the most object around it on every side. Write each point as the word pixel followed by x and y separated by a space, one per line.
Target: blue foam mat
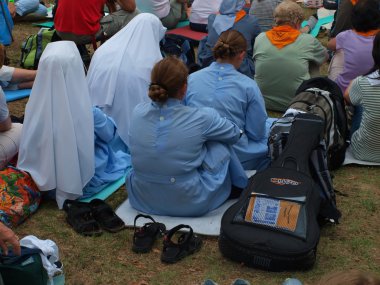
pixel 323 21
pixel 13 95
pixel 107 191
pixel 182 24
pixel 48 24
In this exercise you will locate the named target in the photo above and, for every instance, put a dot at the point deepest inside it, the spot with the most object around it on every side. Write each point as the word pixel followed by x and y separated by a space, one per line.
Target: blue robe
pixel 181 159
pixel 248 26
pixel 112 159
pixel 238 98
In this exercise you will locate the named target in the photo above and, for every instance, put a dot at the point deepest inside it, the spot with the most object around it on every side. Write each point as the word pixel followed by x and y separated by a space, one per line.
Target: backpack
pixel 6 24
pixel 32 48
pixel 274 225
pixel 24 269
pixel 277 142
pixel 323 97
pixel 180 47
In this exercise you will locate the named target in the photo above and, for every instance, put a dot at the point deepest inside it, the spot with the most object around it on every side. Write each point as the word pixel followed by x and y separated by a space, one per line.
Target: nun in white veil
pixel 57 141
pixel 119 73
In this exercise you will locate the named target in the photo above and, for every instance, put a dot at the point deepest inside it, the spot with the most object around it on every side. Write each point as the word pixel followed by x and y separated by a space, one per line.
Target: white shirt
pixel 160 8
pixel 201 9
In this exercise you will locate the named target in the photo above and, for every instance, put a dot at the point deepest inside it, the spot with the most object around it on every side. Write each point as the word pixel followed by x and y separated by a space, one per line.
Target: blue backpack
pixel 6 24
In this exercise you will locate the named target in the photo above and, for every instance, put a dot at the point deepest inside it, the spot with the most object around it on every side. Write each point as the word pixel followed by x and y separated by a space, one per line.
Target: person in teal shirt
pixel 236 97
pixel 182 161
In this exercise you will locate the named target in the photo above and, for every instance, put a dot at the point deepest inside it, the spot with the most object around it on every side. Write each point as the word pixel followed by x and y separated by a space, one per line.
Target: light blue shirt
pixel 238 98
pixel 112 159
pixel 180 158
pixel 248 26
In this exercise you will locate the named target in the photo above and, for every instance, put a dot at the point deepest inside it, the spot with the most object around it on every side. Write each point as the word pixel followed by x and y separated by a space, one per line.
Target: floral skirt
pixel 19 196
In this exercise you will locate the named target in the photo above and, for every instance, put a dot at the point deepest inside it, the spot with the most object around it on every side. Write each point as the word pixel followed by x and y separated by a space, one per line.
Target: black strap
pixel 142 216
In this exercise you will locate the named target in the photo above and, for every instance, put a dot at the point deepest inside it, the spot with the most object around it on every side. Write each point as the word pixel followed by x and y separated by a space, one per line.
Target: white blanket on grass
pixel 350 159
pixel 208 224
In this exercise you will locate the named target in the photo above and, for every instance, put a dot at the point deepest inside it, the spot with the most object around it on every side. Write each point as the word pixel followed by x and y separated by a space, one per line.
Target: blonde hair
pixel 168 76
pixel 229 44
pixel 288 13
pixel 352 277
pixel 2 55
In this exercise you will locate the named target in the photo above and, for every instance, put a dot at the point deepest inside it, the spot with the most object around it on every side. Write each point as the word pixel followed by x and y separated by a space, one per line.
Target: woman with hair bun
pixel 182 164
pixel 235 96
pixel 231 16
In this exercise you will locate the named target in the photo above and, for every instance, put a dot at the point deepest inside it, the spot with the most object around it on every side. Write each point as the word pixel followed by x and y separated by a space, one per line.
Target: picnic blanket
pixel 350 159
pixel 208 224
pixel 188 33
pixel 13 95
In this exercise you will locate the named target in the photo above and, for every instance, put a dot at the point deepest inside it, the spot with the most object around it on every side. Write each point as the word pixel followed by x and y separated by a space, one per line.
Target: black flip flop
pixel 105 216
pixel 188 243
pixel 79 216
pixel 144 238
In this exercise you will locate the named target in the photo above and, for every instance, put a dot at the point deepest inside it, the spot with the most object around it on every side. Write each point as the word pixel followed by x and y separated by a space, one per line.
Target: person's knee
pixel 9 143
pixel 24 7
pixel 41 10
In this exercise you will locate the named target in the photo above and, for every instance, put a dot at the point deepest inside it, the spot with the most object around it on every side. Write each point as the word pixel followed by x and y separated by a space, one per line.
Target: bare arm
pixel 7 236
pixel 12 9
pixel 127 5
pixel 331 45
pixel 6 125
pixel 346 94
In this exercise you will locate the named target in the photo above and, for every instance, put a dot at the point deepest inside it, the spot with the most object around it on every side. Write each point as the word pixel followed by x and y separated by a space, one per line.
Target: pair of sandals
pixel 144 238
pixel 90 219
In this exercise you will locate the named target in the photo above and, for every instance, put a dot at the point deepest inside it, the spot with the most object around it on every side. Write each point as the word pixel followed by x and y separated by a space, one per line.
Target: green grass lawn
pixel 108 259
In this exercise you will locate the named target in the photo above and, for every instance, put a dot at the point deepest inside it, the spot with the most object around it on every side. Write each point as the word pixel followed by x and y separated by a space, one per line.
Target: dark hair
pixel 376 51
pixel 168 76
pixel 2 55
pixel 376 54
pixel 229 44
pixel 366 15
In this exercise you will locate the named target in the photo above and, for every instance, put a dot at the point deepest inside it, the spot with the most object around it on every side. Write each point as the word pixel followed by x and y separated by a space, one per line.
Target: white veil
pixel 57 141
pixel 119 74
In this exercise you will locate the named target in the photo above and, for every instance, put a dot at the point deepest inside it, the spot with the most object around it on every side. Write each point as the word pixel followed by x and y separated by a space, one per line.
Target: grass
pixel 108 259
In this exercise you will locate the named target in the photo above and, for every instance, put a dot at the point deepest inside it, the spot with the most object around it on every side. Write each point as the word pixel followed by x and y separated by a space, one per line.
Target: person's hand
pixel 7 236
pixel 12 9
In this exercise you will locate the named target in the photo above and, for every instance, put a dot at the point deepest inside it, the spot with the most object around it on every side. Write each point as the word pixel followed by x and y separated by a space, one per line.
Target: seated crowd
pixel 182 141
